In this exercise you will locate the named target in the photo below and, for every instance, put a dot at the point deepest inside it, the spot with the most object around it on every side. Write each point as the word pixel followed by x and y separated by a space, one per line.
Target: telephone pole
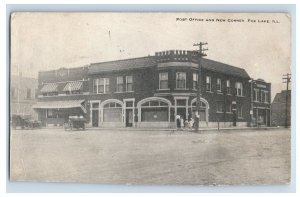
pixel 286 79
pixel 199 53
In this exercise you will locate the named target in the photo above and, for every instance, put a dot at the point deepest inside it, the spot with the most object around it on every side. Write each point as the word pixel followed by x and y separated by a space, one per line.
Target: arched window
pixel 112 112
pixel 203 109
pixel 155 110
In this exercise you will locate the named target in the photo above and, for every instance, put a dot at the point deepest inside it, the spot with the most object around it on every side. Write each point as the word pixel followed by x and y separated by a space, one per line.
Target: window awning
pixel 60 105
pixel 73 86
pixel 51 87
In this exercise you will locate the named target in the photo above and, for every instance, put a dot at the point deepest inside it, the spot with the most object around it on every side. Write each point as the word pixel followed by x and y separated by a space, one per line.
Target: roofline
pixel 91 64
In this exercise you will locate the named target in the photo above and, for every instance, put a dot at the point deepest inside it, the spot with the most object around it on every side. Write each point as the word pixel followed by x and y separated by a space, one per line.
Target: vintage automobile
pixel 75 122
pixel 24 122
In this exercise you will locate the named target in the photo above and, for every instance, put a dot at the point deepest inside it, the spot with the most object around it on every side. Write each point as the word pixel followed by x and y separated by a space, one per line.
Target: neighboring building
pixel 261 103
pixel 278 108
pixel 23 95
pixel 146 92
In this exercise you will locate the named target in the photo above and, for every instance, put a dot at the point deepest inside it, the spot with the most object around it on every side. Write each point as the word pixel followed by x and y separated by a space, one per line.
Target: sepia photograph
pixel 150 98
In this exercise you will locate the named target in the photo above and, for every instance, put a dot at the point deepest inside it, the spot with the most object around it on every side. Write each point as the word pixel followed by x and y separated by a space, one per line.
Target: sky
pixel 259 43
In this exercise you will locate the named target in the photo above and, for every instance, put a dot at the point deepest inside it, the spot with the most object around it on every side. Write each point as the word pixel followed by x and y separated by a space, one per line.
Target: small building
pixel 23 91
pixel 280 105
pixel 146 92
pixel 261 103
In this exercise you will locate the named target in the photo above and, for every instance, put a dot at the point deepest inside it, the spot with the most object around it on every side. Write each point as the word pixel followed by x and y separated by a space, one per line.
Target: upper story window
pixel 208 83
pixel 266 97
pixel 129 82
pixel 101 85
pixel 120 85
pixel 262 96
pixel 28 93
pixel 219 85
pixel 255 95
pixel 239 88
pixel 195 80
pixel 163 81
pixel 181 80
pixel 228 86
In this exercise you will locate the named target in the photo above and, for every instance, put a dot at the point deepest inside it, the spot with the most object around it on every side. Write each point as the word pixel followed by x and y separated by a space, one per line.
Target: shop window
pixel 219 106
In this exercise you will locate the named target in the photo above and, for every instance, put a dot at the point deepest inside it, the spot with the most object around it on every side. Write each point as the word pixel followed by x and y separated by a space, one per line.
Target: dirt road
pixel 152 157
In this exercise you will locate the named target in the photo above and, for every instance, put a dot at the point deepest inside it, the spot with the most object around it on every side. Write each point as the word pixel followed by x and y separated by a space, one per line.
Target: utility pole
pixel 286 79
pixel 199 53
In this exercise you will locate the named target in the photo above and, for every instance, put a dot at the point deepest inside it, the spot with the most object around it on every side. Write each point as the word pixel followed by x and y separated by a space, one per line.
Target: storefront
pixel 56 113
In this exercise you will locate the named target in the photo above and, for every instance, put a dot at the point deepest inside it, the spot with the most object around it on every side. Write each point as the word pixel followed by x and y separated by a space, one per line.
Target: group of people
pixel 187 123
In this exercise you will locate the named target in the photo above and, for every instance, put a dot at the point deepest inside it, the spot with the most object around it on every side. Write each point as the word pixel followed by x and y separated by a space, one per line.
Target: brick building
pixel 146 92
pixel 261 103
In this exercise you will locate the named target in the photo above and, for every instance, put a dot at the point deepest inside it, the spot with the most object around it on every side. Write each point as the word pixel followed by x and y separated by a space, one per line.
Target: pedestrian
pixel 197 119
pixel 191 123
pixel 178 121
pixel 181 122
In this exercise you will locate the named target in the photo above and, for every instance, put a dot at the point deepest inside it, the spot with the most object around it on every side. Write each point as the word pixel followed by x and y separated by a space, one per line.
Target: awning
pixel 50 87
pixel 73 86
pixel 60 105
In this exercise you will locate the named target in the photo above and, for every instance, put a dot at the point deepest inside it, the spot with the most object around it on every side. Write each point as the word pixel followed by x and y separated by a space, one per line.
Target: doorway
pixel 95 117
pixel 129 117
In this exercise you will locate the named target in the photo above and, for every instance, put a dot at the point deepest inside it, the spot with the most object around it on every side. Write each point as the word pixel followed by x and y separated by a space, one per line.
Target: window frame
pixel 219 85
pixel 195 81
pixel 208 82
pixel 239 88
pixel 120 84
pixel 163 80
pixel 106 85
pixel 177 80
pixel 228 89
pixel 127 83
pixel 220 103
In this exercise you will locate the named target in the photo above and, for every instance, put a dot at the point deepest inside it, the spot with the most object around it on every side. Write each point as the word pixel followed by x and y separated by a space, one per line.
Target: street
pixel 151 157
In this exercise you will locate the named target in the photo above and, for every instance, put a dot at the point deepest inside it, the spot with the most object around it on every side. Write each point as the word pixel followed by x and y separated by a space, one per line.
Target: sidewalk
pixel 189 130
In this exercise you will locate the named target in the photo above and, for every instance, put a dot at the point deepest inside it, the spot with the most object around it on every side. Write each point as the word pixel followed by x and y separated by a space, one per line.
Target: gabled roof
pixel 224 68
pixel 134 63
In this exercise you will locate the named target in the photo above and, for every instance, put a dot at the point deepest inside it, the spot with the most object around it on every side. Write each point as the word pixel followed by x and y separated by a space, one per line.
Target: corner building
pixel 146 92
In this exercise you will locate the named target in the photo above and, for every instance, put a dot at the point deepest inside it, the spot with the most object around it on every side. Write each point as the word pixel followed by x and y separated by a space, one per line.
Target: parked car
pixel 24 122
pixel 75 122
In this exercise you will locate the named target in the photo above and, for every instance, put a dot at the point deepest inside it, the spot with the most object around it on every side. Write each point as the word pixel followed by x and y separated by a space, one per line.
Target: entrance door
pixel 129 117
pixel 95 118
pixel 182 112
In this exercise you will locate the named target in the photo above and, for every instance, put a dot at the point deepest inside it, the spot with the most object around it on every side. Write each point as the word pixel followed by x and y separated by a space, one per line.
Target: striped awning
pixel 73 86
pixel 60 105
pixel 50 87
